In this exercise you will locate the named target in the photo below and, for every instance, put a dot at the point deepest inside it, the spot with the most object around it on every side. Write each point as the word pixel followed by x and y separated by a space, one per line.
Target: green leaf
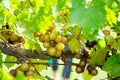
pixel 1 59
pixel 111 16
pixel 5 76
pixel 109 3
pixel 87 18
pixel 74 45
pixel 10 59
pixel 39 67
pixel 98 55
pixel 112 66
pixel 116 45
pixel 61 4
pixel 86 76
pixel 20 75
pixel 0 0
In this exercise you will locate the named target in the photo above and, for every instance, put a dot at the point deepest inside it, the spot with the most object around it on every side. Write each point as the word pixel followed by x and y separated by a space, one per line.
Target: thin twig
pixel 30 3
pixel 45 63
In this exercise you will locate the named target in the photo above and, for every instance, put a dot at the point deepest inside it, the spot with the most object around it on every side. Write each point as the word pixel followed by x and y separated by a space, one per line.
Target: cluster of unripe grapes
pixel 26 68
pixel 52 41
pixel 11 37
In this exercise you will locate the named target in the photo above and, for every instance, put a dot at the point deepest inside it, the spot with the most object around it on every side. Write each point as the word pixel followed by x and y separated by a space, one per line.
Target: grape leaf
pixel 1 59
pixel 61 4
pixel 5 76
pixel 10 59
pixel 87 18
pixel 111 16
pixel 98 55
pixel 112 66
pixel 39 67
pixel 20 75
pixel 109 2
pixel 116 45
pixel 74 45
pixel 86 76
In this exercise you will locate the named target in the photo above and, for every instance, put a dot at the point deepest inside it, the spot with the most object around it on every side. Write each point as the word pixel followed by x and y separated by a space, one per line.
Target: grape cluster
pixel 84 64
pixel 11 37
pixel 26 68
pixel 52 41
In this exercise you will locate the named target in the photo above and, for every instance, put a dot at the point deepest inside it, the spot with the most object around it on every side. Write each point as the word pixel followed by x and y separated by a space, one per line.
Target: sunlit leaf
pixel 102 43
pixel 109 2
pixel 20 75
pixel 74 45
pixel 10 59
pixel 86 76
pixel 5 76
pixel 111 16
pixel 112 66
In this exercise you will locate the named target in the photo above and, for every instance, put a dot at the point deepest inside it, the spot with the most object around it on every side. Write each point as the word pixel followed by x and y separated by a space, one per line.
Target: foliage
pixel 113 70
pixel 80 21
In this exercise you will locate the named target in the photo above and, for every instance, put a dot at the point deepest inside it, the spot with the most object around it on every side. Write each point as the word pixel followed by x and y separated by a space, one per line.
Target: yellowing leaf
pixel 111 18
pixel 74 45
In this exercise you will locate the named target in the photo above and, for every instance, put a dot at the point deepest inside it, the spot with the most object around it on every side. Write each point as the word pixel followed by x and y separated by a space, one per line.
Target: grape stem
pixel 45 63
pixel 30 3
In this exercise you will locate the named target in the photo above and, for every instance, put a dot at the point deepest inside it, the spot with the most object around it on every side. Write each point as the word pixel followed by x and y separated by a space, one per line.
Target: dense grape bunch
pixel 53 41
pixel 11 37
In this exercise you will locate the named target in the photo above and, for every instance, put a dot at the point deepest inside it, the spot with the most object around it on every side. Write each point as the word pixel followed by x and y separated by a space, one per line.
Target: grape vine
pixel 36 34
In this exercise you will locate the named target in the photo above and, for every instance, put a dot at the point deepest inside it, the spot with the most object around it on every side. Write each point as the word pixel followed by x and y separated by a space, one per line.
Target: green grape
pixel 46 44
pixel 58 38
pixel 51 51
pixel 60 46
pixel 24 67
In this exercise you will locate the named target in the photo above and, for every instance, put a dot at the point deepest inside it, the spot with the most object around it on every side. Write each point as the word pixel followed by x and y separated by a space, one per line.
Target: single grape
pixel 79 69
pixel 93 72
pixel 41 38
pixel 58 53
pixel 77 56
pixel 82 63
pixel 51 51
pixel 106 32
pixel 46 44
pixel 37 34
pixel 31 68
pixel 13 72
pixel 58 38
pixel 24 66
pixel 60 46
pixel 13 37
pixel 53 35
pixel 46 38
pixel 29 73
pixel 64 40
pixel 63 58
pixel 51 27
pixel 91 44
